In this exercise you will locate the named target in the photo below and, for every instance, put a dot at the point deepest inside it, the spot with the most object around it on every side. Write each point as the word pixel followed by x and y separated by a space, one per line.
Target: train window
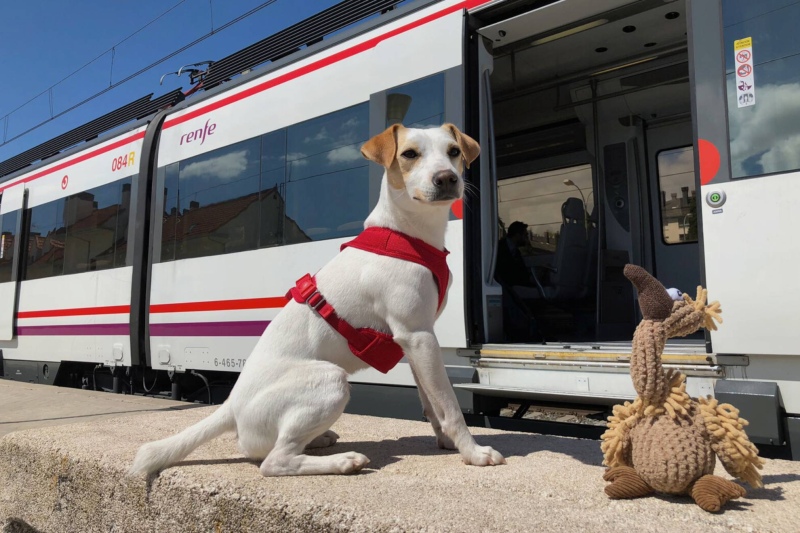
pixel 419 104
pixel 678 192
pixel 216 209
pixel 8 229
pixel 327 178
pixel 97 228
pixel 303 183
pixel 46 238
pixel 169 175
pixel 536 201
pixel 273 188
pixel 84 232
pixel 763 111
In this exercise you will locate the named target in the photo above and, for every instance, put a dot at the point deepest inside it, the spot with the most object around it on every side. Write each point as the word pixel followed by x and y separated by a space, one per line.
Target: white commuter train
pixel 657 132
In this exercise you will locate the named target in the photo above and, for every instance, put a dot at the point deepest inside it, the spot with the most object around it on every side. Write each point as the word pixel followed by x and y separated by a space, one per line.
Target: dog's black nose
pixel 444 179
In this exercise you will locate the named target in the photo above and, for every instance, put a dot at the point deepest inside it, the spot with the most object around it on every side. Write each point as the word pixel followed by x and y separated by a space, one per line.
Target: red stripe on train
pixel 219 305
pixel 181 307
pixel 79 311
pixel 322 63
pixel 79 159
pixel 335 58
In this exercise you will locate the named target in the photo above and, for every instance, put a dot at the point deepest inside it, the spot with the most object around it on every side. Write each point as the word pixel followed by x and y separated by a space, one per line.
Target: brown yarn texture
pixel 666 441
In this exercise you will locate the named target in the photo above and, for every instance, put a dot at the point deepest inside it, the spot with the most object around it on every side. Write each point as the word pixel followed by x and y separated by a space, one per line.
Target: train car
pixel 655 132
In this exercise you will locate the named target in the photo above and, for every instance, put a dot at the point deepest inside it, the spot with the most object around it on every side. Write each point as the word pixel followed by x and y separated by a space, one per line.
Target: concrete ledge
pixel 70 478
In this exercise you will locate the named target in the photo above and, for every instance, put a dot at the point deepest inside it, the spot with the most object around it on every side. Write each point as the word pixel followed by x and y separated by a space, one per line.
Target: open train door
pixel 745 69
pixel 748 207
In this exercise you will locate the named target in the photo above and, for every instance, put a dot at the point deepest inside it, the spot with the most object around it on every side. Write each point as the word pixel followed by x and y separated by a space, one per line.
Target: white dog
pixel 294 385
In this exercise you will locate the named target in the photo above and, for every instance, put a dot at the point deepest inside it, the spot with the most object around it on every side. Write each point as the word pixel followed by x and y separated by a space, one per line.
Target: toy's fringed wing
pixel 729 441
pixel 615 441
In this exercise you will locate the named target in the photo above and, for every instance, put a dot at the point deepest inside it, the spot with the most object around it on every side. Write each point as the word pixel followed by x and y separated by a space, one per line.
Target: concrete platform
pixel 71 478
pixel 27 406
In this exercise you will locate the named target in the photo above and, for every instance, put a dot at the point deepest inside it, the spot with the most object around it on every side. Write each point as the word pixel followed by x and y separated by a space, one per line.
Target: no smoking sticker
pixel 745 81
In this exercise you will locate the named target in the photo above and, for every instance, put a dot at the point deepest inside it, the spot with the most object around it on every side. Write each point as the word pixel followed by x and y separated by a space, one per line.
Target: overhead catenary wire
pixel 62 80
pixel 213 31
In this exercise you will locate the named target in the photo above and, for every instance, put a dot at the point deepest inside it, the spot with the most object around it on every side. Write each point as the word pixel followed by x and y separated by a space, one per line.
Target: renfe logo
pixel 201 134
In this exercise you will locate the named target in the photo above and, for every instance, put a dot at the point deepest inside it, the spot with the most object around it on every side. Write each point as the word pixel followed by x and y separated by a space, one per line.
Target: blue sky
pixel 46 40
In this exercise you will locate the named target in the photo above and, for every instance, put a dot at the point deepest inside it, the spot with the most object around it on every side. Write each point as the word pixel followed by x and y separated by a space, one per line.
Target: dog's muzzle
pixel 445 183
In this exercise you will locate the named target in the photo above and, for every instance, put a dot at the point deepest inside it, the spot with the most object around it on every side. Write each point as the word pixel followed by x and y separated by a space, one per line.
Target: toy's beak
pixel 654 300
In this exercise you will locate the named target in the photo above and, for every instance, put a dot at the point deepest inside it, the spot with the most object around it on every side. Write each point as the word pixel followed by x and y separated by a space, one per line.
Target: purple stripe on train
pixel 177 329
pixel 76 329
pixel 209 329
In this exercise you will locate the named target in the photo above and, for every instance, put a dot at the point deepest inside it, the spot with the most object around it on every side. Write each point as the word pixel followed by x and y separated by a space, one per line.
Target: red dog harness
pixel 377 349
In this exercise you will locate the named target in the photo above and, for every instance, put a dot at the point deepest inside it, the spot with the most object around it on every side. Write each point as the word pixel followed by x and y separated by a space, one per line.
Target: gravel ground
pixel 555 414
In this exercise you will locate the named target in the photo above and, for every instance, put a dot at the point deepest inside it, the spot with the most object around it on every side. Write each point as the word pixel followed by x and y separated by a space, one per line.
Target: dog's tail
pixel 160 454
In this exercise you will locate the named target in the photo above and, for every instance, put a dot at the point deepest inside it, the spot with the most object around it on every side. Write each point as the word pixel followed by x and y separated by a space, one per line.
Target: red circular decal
pixel 458 208
pixel 709 161
pixel 64 182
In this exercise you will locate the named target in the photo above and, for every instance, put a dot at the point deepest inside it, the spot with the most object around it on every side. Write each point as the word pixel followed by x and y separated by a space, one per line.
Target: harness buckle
pixel 315 305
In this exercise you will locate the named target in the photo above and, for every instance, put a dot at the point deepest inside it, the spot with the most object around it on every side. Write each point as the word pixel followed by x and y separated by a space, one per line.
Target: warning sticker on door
pixel 745 82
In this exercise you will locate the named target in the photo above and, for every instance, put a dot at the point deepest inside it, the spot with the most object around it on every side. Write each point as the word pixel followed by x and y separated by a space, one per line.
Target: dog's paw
pixel 484 456
pixel 350 462
pixel 328 438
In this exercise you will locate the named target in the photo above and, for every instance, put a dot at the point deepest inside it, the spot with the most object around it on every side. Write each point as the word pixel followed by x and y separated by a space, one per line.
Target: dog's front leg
pixel 442 440
pixel 425 358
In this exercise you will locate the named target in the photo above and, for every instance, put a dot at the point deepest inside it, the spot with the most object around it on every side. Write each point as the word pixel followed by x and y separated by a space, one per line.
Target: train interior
pixel 594 165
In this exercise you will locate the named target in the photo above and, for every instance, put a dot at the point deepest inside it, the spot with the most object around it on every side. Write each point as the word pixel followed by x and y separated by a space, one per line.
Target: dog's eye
pixel 454 152
pixel 410 154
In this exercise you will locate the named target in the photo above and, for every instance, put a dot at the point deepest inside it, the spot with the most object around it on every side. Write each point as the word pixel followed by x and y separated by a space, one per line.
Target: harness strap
pixel 391 243
pixel 375 348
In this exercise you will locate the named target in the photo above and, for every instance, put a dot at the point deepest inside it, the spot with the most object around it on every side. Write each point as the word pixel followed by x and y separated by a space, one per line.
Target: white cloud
pixel 297 159
pixel 352 123
pixel 321 136
pixel 344 154
pixel 226 167
pixel 769 128
pixel 785 154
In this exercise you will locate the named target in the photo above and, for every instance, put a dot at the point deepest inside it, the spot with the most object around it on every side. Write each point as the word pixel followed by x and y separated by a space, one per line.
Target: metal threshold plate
pixel 682 354
pixel 545 395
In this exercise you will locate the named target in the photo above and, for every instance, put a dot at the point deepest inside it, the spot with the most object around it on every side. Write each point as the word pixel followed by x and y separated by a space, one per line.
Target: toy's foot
pixel 712 492
pixel 625 483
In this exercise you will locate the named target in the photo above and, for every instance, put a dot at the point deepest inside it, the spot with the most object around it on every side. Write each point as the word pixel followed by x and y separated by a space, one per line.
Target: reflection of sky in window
pixel 273 151
pixel 327 144
pixel 427 102
pixel 771 23
pixel 321 152
pixel 765 137
pixel 220 175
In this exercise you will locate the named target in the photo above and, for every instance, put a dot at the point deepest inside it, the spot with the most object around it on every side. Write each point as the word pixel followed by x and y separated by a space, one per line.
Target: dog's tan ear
pixel 470 148
pixel 382 148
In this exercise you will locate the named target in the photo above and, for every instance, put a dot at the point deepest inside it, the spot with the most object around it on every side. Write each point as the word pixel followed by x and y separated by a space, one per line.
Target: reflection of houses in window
pixel 95 234
pixel 6 255
pixel 7 244
pixel 44 252
pixel 230 226
pixel 88 237
pixel 678 216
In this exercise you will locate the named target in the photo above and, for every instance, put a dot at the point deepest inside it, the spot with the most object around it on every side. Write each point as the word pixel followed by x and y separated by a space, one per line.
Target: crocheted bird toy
pixel 666 441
